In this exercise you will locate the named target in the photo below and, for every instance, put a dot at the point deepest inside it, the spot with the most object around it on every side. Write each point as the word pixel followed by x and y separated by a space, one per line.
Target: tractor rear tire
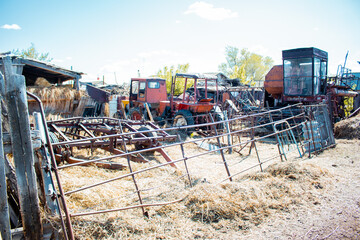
pixel 184 118
pixel 135 114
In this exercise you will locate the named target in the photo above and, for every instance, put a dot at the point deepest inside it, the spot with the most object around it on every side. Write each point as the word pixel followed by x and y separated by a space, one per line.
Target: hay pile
pixel 253 198
pixel 57 100
pixel 209 210
pixel 42 82
pixel 348 128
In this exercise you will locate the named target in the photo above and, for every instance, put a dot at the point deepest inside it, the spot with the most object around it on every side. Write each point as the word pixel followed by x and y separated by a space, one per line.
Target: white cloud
pixel 209 12
pixel 12 26
pixel 177 21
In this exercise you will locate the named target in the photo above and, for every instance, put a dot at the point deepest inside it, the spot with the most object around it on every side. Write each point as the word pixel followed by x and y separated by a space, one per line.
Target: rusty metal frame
pixel 111 134
pixel 68 231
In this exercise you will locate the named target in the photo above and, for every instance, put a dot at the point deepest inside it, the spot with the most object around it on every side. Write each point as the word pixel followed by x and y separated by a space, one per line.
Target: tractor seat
pixel 205 100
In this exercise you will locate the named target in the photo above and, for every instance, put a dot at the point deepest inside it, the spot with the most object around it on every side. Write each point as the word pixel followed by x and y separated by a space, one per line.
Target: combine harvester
pixel 303 78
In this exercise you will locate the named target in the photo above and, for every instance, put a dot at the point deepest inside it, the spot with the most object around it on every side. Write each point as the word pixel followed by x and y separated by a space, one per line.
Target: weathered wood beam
pixel 35 138
pixel 23 152
pixel 5 228
pixel 77 83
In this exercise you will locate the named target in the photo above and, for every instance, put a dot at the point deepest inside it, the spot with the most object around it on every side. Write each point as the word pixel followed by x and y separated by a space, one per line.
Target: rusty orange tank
pixel 274 81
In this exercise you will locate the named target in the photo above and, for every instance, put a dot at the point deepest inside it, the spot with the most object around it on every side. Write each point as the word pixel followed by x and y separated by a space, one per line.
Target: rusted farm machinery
pixel 109 134
pixel 303 78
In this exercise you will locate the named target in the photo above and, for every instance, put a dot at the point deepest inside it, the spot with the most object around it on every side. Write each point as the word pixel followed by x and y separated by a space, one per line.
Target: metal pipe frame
pixel 87 128
pixel 68 233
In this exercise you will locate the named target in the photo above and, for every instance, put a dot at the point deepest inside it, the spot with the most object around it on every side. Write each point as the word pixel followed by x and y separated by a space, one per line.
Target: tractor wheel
pixel 147 144
pixel 135 114
pixel 184 118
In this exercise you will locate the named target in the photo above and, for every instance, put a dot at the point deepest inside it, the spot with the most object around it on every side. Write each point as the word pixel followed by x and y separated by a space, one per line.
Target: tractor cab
pixel 145 95
pixel 305 71
pixel 147 90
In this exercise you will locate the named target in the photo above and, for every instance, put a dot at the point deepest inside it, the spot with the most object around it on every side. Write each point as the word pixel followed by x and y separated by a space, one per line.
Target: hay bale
pixel 107 110
pixel 42 82
pixel 57 100
pixel 348 128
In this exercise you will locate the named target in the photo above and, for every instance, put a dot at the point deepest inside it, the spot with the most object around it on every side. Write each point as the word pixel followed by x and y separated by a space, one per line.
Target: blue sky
pixel 118 38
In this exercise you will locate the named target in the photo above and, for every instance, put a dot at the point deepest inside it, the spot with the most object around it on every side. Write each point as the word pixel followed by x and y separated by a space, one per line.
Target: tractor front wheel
pixel 184 118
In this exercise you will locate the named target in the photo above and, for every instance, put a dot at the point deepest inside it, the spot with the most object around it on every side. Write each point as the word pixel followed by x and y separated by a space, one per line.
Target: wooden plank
pixel 122 109
pixel 12 194
pixel 149 112
pixel 23 156
pixel 7 68
pixel 5 229
pixel 2 85
pixel 35 138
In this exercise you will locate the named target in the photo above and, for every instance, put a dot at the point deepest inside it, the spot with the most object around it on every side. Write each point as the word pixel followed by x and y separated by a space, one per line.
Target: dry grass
pixel 56 100
pixel 207 212
pixel 42 82
pixel 208 209
pixel 348 128
pixel 252 197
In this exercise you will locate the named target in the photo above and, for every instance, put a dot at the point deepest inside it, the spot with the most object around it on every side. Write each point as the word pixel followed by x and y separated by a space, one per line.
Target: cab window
pixel 135 87
pixel 298 80
pixel 142 89
pixel 153 84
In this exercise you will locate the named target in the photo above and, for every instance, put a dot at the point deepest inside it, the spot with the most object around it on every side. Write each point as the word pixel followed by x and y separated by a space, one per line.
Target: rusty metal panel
pixel 97 94
pixel 156 91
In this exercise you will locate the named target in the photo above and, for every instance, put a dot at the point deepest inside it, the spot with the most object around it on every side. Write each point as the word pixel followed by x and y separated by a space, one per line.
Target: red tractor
pixel 195 103
pixel 148 95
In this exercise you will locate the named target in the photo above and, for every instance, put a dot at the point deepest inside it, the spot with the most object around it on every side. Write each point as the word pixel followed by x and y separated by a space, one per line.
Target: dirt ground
pixel 302 198
pixel 336 212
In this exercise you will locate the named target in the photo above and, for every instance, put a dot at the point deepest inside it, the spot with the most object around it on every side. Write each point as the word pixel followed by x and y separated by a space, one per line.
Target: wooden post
pixel 23 154
pixel 5 229
pixel 77 83
pixel 149 112
pixel 2 85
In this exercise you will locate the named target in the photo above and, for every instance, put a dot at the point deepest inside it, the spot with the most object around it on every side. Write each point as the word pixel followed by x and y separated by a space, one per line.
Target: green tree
pixel 245 65
pixel 31 52
pixel 168 72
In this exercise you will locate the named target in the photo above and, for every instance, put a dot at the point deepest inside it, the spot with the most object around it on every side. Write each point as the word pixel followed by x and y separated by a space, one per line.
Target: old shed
pixel 33 69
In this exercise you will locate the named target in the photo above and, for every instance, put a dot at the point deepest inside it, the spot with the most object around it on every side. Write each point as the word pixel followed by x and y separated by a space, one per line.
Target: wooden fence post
pixel 5 229
pixel 23 153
